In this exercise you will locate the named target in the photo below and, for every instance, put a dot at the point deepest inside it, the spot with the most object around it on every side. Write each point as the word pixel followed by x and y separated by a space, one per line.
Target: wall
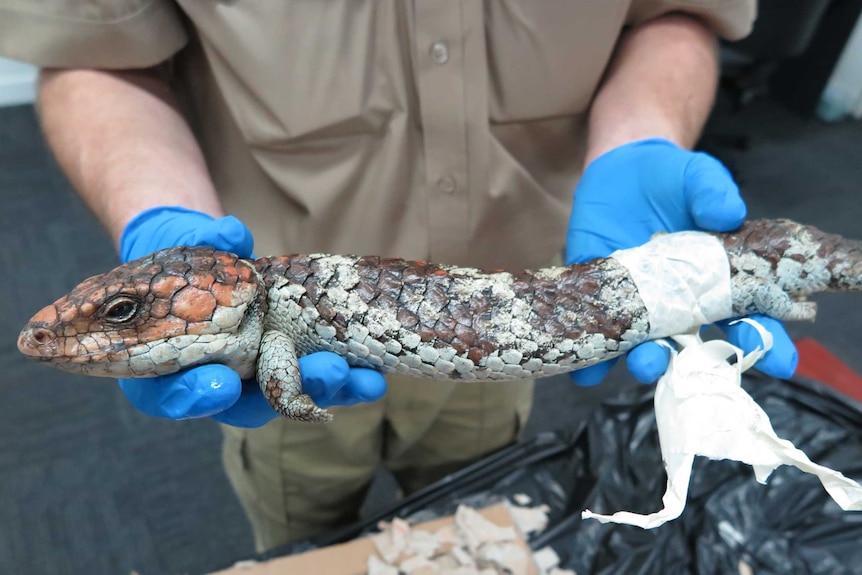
pixel 17 83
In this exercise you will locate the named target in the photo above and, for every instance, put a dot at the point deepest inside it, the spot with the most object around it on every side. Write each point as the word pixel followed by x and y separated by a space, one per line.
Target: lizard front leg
pixel 280 380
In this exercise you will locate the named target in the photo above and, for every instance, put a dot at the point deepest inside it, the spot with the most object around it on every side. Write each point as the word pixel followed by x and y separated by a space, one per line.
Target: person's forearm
pixel 121 142
pixel 661 83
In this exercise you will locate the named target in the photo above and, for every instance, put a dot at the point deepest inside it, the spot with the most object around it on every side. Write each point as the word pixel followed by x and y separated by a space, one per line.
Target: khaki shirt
pixel 450 130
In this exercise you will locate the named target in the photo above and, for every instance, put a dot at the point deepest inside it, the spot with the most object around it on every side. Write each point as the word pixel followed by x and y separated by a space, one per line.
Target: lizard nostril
pixel 41 336
pixel 37 341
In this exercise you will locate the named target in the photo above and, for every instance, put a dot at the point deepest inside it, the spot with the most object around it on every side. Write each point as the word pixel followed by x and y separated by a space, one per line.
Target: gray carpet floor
pixel 89 485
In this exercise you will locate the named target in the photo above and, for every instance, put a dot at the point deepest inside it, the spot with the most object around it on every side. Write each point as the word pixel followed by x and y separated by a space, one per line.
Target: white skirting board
pixel 17 83
pixel 843 93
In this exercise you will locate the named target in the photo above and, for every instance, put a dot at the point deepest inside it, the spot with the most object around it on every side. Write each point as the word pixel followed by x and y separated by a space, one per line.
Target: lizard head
pixel 170 310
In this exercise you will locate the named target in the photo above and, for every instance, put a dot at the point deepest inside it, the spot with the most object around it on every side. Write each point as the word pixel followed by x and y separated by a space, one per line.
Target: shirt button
pixel 439 52
pixel 446 184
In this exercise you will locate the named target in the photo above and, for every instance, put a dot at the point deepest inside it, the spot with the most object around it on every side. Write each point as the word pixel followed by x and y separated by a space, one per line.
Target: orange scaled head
pixel 172 309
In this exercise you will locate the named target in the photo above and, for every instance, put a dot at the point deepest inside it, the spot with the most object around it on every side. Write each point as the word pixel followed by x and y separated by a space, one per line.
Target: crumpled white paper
pixel 701 409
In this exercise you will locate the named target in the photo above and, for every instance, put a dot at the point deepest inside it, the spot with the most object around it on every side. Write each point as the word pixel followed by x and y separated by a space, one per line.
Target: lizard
pixel 186 306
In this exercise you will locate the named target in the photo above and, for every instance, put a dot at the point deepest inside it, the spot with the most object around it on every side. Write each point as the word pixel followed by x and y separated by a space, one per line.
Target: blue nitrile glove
pixel 634 191
pixel 216 390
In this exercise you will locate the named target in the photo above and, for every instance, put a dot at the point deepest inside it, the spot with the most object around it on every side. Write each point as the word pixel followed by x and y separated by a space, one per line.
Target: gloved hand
pixel 216 390
pixel 636 190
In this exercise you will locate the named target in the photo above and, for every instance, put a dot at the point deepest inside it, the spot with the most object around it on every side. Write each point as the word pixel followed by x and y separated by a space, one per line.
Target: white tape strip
pixel 683 279
pixel 701 409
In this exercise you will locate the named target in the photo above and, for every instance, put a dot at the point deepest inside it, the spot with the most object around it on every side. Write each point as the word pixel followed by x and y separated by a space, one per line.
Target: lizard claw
pixel 281 382
pixel 302 408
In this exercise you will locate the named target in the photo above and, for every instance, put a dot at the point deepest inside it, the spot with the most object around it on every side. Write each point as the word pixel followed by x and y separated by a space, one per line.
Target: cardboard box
pixel 351 558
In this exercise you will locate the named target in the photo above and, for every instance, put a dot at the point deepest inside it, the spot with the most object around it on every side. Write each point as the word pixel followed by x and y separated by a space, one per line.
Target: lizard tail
pixel 845 261
pixel 801 259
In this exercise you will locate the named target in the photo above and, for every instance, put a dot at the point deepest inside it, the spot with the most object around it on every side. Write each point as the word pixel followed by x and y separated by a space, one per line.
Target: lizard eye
pixel 120 309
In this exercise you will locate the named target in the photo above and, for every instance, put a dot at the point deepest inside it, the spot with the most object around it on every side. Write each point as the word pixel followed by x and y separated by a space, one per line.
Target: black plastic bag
pixel 790 525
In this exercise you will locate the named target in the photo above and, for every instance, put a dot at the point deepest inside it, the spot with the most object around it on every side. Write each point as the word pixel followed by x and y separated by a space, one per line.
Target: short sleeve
pixel 730 19
pixel 112 34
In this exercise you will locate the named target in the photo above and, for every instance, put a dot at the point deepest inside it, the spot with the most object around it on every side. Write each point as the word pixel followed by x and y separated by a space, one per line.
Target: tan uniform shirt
pixel 451 130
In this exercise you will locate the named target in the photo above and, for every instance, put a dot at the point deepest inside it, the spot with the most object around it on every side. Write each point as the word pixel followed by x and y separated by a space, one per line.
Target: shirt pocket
pixel 295 71
pixel 546 59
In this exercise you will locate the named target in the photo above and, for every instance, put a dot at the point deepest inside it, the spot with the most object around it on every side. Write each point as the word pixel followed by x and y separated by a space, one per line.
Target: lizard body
pixel 182 307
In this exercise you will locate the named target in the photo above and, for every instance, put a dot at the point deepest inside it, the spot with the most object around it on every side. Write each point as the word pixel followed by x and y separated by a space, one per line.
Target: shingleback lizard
pixel 182 307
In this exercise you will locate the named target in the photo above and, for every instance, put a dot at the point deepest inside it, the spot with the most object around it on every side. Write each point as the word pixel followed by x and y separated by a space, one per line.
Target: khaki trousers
pixel 295 480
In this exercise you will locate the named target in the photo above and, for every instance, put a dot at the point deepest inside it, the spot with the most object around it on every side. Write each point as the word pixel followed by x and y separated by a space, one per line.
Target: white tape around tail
pixel 683 280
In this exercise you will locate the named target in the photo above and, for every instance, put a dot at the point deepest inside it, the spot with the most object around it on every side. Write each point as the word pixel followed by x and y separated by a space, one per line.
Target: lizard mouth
pixel 45 345
pixel 76 360
pixel 102 355
pixel 94 364
pixel 87 366
pixel 70 354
